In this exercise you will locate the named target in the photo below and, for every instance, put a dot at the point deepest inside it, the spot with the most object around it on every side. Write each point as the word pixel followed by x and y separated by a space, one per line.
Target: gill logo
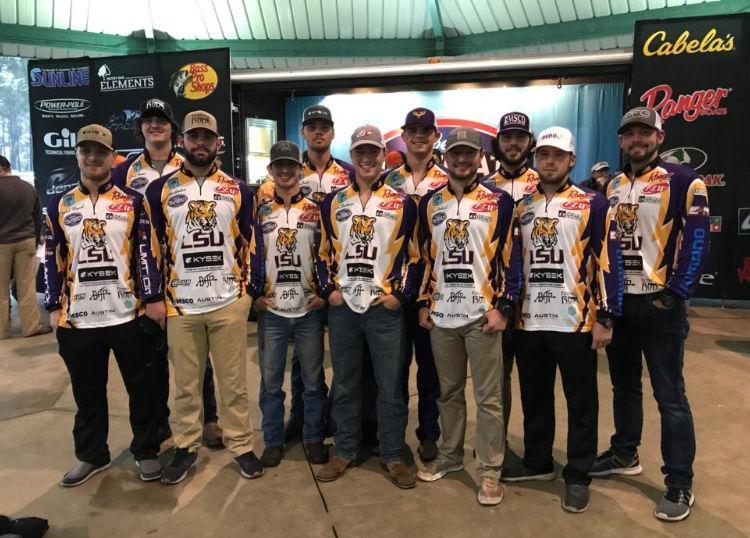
pixel 657 44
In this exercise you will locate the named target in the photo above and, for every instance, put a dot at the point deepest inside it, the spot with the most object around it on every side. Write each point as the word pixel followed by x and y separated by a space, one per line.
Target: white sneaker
pixel 490 491
pixel 436 471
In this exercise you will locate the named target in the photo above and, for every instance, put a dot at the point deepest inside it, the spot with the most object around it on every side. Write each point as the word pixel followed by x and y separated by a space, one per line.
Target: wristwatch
pixel 605 319
pixel 506 309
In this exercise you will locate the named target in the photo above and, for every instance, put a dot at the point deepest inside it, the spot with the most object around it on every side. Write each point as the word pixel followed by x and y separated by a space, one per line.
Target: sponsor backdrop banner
pixel 67 94
pixel 694 72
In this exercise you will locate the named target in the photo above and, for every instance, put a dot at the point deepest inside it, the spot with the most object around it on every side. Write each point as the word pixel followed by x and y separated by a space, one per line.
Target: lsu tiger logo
pixel 456 235
pixel 544 234
pixel 286 241
pixel 627 218
pixel 92 233
pixel 363 229
pixel 201 216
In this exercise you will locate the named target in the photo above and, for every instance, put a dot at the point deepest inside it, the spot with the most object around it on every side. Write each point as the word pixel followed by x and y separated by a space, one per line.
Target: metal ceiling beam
pixel 596 28
pixel 438 33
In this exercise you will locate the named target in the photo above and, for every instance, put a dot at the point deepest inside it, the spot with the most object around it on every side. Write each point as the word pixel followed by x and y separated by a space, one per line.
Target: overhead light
pixel 614 56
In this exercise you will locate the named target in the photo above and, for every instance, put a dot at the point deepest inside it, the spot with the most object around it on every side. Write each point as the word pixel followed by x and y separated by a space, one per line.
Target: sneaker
pixel 80 473
pixel 437 470
pixel 333 470
pixel 272 456
pixel 490 492
pixel 675 505
pixel 178 468
pixel 212 434
pixel 293 429
pixel 428 450
pixel 400 474
pixel 149 469
pixel 520 473
pixel 608 463
pixel 250 465
pixel 317 452
pixel 576 498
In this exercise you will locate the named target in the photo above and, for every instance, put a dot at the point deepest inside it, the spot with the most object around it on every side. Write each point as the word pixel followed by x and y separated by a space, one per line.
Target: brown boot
pixel 212 435
pixel 400 474
pixel 333 470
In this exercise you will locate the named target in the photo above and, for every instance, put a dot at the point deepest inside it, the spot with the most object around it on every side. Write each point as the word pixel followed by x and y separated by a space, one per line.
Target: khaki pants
pixel 20 258
pixel 453 348
pixel 223 334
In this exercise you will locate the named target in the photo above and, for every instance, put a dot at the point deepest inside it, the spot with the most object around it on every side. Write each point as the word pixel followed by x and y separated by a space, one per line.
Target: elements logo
pixel 116 83
pixel 692 106
pixel 194 81
pixel 657 44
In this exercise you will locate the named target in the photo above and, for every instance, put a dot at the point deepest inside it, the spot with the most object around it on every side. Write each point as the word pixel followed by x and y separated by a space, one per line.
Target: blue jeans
pixel 382 331
pixel 274 332
pixel 659 335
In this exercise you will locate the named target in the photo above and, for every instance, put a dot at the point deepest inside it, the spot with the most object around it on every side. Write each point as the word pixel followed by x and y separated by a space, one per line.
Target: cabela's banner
pixel 694 73
pixel 67 94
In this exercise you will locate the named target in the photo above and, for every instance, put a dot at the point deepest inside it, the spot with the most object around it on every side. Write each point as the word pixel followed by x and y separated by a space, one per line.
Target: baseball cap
pixel 514 121
pixel 199 119
pixel 285 149
pixel 643 115
pixel 463 136
pixel 367 134
pixel 420 116
pixel 557 137
pixel 95 133
pixel 601 165
pixel 317 113
pixel 156 107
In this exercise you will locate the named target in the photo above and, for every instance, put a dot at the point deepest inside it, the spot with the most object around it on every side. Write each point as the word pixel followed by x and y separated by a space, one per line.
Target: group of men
pixel 463 269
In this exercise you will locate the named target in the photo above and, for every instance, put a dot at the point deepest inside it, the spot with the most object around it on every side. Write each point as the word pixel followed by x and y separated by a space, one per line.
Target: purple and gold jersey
pixel 571 260
pixel 314 186
pixel 290 241
pixel 98 264
pixel 137 173
pixel 469 251
pixel 662 216
pixel 402 180
pixel 367 250
pixel 517 184
pixel 206 232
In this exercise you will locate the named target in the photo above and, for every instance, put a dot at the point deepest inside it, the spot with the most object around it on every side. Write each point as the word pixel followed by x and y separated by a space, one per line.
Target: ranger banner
pixel 693 72
pixel 67 94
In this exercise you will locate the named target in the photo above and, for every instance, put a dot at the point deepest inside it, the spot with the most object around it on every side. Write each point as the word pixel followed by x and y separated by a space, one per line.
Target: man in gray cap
pixel 467 297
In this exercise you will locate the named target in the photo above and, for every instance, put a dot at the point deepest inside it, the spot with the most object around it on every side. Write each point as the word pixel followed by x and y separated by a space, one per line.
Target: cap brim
pixel 477 147
pixel 548 145
pixel 205 128
pixel 285 159
pixel 623 127
pixel 509 129
pixel 110 148
pixel 155 112
pixel 405 125
pixel 311 120
pixel 366 143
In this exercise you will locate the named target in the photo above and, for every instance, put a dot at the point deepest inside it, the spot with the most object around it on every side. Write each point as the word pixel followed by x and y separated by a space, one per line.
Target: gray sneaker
pixel 576 498
pixel 675 505
pixel 81 472
pixel 437 469
pixel 520 473
pixel 149 469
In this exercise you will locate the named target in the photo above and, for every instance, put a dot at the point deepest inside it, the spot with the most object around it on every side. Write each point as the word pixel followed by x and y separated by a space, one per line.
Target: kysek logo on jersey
pixel 286 241
pixel 201 216
pixel 627 218
pixel 363 229
pixel 456 235
pixel 544 234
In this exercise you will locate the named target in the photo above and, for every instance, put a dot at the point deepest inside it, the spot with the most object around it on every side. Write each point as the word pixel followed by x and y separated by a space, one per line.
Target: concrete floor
pixel 36 416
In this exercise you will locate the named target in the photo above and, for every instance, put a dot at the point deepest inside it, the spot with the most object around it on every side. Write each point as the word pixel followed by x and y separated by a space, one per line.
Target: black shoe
pixel 250 465
pixel 520 473
pixel 428 450
pixel 576 498
pixel 178 468
pixel 81 472
pixel 164 433
pixel 608 463
pixel 317 453
pixel 293 429
pixel 272 456
pixel 675 505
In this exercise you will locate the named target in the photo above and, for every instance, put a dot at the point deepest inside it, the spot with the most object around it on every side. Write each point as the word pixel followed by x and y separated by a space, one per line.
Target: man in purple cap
pixel 515 176
pixel 419 175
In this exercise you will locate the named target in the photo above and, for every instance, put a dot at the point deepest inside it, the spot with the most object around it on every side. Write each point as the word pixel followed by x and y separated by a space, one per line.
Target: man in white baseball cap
pixel 599 177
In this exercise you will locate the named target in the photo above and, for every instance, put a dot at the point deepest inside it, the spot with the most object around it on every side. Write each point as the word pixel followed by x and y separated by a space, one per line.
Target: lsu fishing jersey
pixel 98 263
pixel 402 180
pixel 314 186
pixel 207 231
pixel 367 250
pixel 571 260
pixel 290 241
pixel 138 172
pixel 470 253
pixel 662 216
pixel 518 184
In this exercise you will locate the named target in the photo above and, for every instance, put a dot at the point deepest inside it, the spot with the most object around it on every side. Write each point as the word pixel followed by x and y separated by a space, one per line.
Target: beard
pixel 552 177
pixel 200 161
pixel 522 157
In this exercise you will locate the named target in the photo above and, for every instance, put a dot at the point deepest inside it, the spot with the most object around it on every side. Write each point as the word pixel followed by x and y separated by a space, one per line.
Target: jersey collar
pixel 375 186
pixel 562 188
pixel 468 188
pixel 306 162
pixel 104 187
pixel 627 170
pixel 296 198
pixel 188 173
pixel 512 175
pixel 147 156
pixel 430 165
